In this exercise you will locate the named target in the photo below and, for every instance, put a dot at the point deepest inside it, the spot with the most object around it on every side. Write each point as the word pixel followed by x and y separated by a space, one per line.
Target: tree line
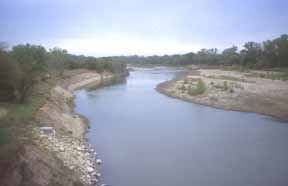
pixel 26 65
pixel 268 54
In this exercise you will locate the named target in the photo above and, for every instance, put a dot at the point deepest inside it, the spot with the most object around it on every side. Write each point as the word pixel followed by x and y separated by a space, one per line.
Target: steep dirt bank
pixel 232 90
pixel 58 155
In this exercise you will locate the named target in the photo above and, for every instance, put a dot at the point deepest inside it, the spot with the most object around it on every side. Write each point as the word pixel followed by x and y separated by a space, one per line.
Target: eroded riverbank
pixel 58 153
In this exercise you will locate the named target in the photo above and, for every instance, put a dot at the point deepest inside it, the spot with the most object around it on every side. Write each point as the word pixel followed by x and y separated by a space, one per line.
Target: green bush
pixel 199 89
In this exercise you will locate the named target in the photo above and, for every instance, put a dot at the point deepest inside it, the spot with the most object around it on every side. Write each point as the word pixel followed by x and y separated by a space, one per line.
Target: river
pixel 148 139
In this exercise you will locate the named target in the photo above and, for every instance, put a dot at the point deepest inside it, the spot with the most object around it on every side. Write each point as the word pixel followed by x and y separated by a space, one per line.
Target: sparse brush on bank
pixel 271 75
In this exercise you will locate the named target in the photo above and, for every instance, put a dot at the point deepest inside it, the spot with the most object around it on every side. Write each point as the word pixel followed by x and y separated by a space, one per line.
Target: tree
pixel 230 55
pixel 31 60
pixel 250 54
pixel 9 77
pixel 269 57
pixel 58 60
pixel 281 45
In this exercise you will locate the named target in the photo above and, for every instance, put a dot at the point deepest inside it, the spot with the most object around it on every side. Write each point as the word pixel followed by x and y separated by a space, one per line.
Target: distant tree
pixel 254 55
pixel 230 55
pixel 281 45
pixel 269 56
pixel 250 54
pixel 58 60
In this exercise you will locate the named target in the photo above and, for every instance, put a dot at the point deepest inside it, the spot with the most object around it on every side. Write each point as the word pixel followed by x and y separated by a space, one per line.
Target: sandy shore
pixel 232 90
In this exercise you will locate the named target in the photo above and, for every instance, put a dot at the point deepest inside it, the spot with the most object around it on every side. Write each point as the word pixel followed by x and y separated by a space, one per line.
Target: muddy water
pixel 148 139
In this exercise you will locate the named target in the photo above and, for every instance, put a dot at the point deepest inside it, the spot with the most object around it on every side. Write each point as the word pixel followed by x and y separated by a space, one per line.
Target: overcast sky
pixel 143 27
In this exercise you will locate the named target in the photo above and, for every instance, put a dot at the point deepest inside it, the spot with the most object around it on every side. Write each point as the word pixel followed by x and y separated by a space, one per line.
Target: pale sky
pixel 142 27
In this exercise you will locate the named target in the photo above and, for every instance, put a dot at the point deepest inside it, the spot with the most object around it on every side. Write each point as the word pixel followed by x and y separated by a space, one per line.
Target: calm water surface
pixel 148 139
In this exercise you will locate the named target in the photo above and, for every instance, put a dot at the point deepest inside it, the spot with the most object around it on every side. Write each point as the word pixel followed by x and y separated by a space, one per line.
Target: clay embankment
pixel 61 156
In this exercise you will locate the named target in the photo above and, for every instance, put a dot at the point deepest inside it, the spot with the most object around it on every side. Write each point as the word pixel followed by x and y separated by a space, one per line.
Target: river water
pixel 147 139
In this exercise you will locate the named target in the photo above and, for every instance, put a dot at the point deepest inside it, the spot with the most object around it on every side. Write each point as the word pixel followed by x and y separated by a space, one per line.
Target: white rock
pixel 94 180
pixel 99 161
pixel 90 169
pixel 61 149
pixel 47 130
pixel 94 174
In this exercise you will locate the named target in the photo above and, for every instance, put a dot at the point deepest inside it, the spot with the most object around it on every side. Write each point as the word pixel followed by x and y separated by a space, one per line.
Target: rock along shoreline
pixel 63 131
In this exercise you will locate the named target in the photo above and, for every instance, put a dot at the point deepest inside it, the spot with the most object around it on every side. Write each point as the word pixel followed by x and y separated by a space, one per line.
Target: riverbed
pixel 148 139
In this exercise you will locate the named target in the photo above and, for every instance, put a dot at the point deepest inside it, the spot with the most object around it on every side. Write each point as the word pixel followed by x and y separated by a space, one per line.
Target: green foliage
pixel 97 64
pixel 31 58
pixel 231 56
pixel 9 73
pixel 25 66
pixel 4 137
pixel 199 89
pixel 57 60
pixel 24 85
pixel 31 62
pixel 254 55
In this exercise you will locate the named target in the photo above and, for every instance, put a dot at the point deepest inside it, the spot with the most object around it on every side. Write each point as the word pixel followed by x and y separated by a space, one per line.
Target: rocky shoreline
pixel 66 135
pixel 76 154
pixel 231 90
pixel 58 153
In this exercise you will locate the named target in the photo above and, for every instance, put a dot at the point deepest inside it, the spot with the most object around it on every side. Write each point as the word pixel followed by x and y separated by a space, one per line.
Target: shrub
pixel 199 89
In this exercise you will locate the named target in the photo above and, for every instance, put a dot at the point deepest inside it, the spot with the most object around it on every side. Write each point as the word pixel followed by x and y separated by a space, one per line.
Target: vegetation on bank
pixel 27 73
pixel 268 54
pixel 193 87
pixel 26 65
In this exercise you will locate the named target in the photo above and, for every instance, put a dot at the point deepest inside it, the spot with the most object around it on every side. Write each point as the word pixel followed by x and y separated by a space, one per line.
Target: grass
pixel 22 112
pixel 4 136
pixel 235 68
pixel 16 126
pixel 199 89
pixel 25 111
pixel 271 75
pixel 8 142
pixel 223 77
